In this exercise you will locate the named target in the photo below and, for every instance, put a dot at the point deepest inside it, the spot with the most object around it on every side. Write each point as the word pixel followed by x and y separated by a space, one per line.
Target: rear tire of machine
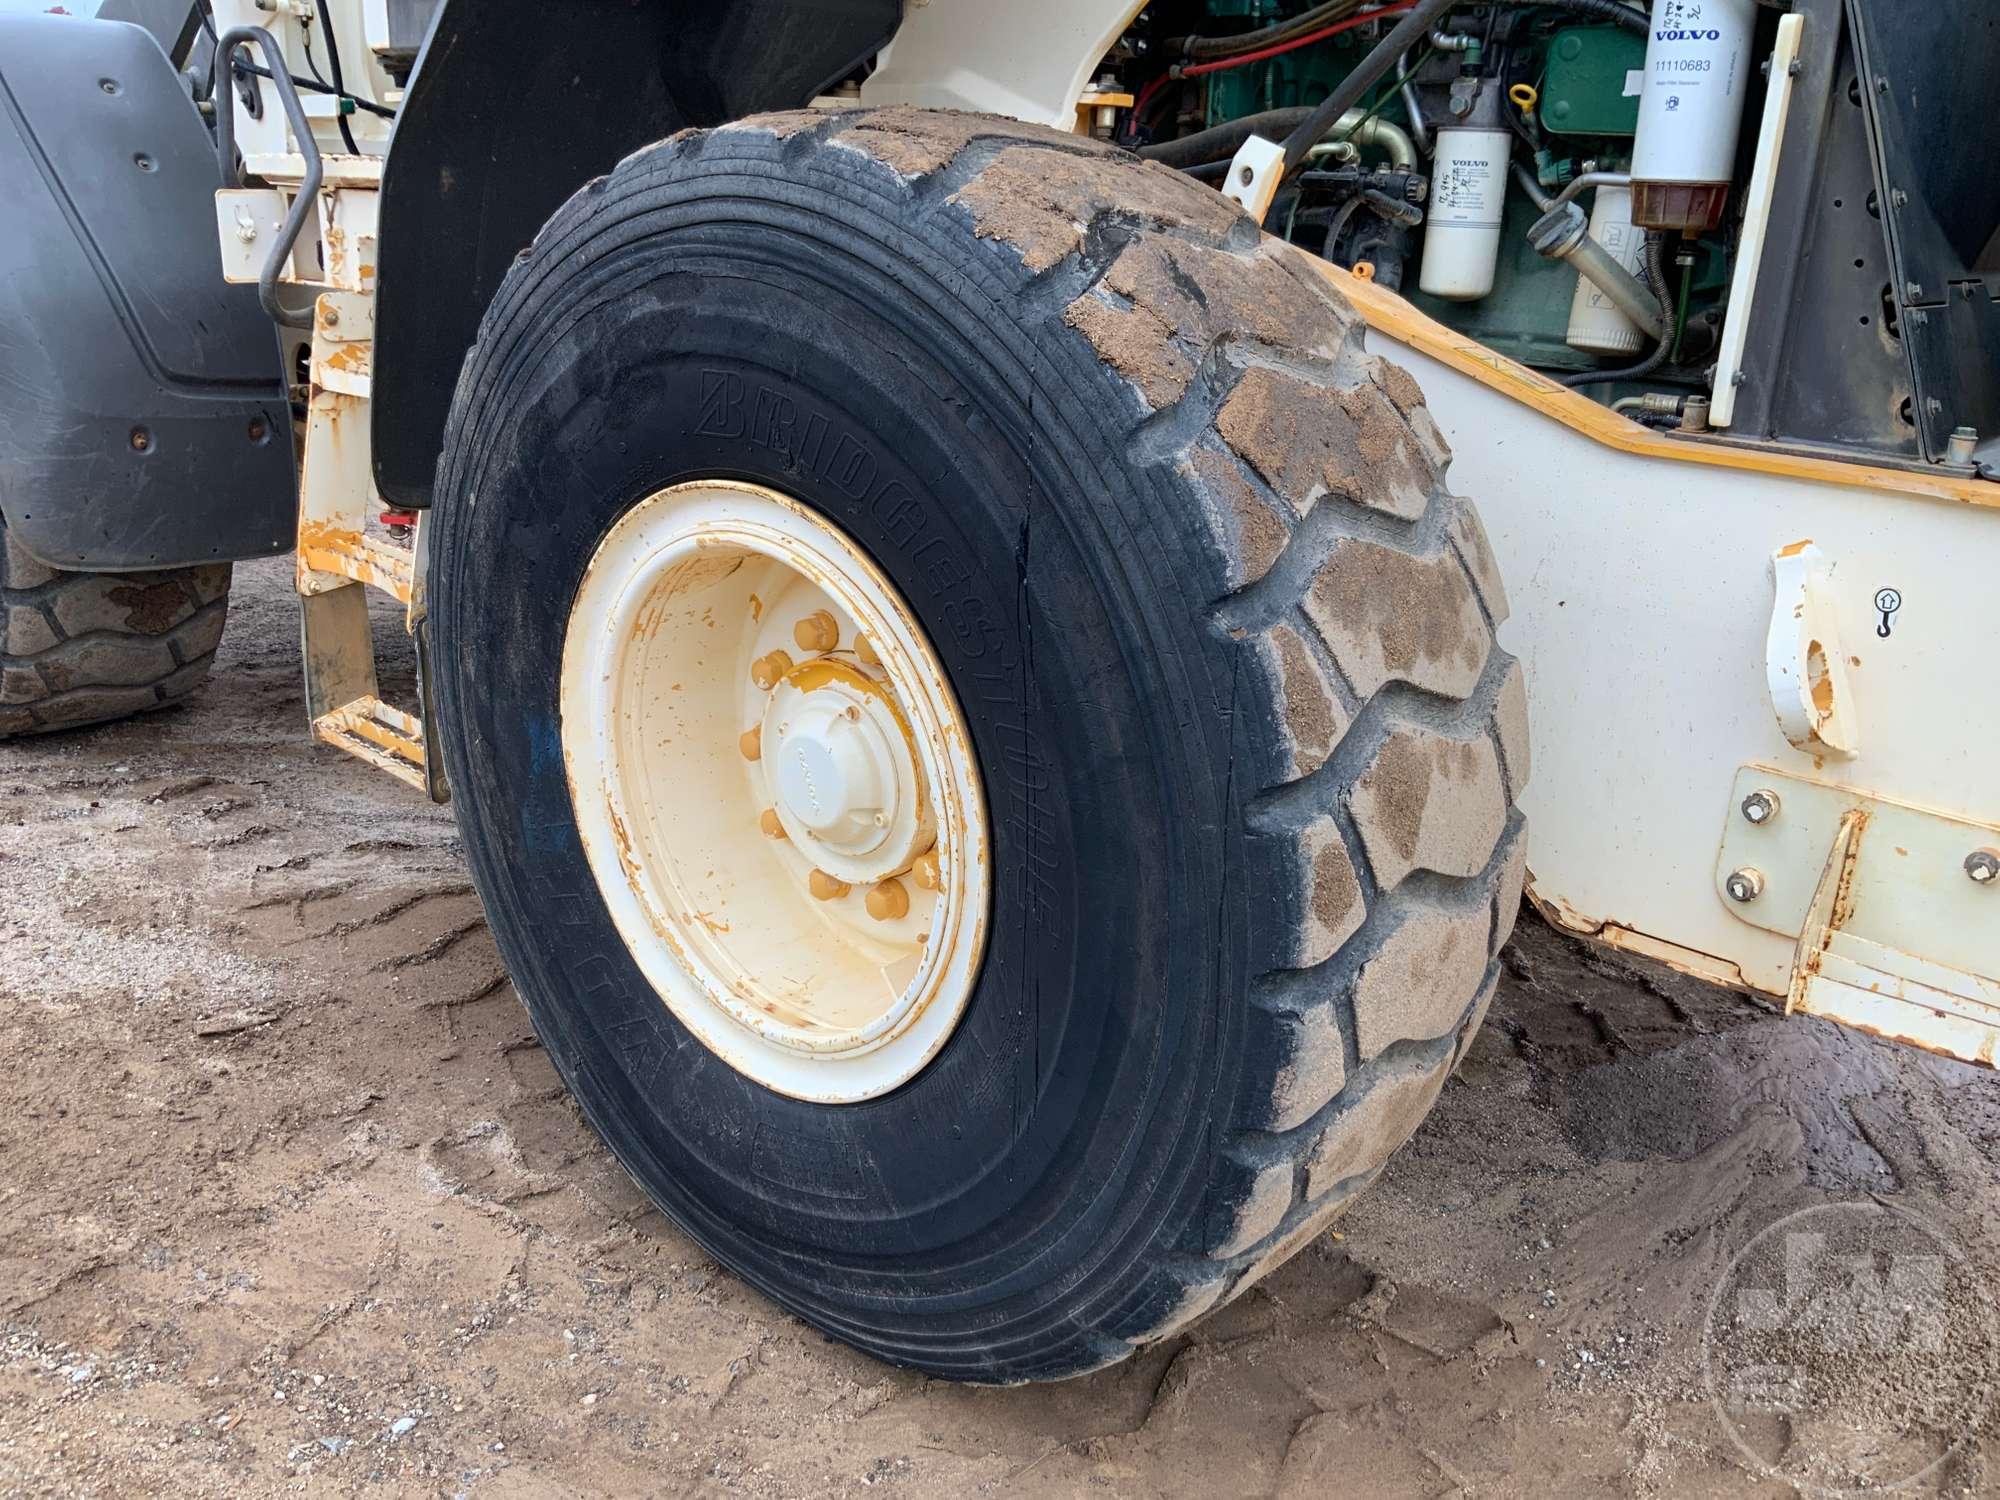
pixel 86 648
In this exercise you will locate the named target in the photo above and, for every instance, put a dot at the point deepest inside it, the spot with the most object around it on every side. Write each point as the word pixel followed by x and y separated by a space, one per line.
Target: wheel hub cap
pixel 845 772
pixel 775 790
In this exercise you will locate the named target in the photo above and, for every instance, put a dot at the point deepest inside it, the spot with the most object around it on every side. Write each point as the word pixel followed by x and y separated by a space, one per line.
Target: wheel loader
pixel 992 745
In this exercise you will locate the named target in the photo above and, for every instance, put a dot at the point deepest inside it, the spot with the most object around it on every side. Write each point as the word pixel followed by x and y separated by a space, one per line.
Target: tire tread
pixel 82 648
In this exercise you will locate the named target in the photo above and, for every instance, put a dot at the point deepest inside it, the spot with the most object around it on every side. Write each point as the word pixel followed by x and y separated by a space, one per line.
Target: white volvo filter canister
pixel 1691 112
pixel 1596 326
pixel 1468 201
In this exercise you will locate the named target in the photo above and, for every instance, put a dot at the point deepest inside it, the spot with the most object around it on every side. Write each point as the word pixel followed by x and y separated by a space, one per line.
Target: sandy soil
pixel 291 1200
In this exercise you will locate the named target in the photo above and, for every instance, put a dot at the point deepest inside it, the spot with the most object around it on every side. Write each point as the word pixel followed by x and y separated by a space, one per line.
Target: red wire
pixel 1197 69
pixel 1146 95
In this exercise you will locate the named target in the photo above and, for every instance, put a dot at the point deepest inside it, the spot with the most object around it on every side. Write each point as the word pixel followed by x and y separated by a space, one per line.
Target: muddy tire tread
pixel 85 648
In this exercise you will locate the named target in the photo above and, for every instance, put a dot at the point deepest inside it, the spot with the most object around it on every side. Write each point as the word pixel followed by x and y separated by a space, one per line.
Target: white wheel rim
pixel 832 1000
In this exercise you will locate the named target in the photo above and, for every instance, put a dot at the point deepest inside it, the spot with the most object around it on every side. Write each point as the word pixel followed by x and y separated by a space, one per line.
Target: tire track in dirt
pixel 367 1242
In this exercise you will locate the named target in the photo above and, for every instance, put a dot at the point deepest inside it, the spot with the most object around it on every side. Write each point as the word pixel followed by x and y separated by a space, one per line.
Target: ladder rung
pixel 385 737
pixel 357 556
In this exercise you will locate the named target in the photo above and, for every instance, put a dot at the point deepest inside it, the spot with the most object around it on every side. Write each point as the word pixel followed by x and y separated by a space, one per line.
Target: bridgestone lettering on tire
pixel 81 648
pixel 1223 640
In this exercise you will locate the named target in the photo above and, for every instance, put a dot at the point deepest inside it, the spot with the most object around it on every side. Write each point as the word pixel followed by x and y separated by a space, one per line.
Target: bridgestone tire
pixel 81 648
pixel 1223 639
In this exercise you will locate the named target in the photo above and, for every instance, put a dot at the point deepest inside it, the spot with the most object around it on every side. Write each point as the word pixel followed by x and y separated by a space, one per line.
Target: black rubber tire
pixel 1223 639
pixel 83 648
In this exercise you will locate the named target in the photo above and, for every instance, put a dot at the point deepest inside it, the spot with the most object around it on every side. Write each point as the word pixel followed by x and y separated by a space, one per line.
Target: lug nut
pixel 1744 885
pixel 926 870
pixel 751 742
pixel 826 887
pixel 1760 807
pixel 818 631
pixel 888 901
pixel 1983 865
pixel 766 670
pixel 769 821
pixel 865 649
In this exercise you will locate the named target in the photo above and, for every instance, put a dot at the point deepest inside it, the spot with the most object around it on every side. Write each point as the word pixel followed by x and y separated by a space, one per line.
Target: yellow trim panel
pixel 1390 315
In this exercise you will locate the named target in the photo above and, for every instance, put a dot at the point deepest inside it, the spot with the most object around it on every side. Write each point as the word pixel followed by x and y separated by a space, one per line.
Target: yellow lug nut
pixel 766 670
pixel 826 887
pixel 772 825
pixel 751 742
pixel 818 631
pixel 929 876
pixel 888 901
pixel 865 649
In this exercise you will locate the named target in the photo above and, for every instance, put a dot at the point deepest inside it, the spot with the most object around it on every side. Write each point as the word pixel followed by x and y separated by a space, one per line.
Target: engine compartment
pixel 1495 155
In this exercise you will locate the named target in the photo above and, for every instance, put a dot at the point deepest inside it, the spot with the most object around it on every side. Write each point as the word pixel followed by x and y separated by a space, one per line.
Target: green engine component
pixel 1526 317
pixel 1301 77
pixel 1592 82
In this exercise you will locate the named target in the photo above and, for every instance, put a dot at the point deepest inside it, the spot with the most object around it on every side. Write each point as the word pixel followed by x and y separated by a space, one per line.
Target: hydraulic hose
pixel 1221 142
pixel 1210 48
pixel 1414 28
pixel 339 83
pixel 1615 11
pixel 1420 130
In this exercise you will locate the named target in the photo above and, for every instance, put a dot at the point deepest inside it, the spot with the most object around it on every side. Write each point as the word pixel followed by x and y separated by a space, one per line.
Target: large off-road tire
pixel 81 648
pixel 1223 639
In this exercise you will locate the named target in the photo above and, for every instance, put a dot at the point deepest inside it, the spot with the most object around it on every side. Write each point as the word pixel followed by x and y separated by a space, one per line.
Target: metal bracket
pixel 1784 67
pixel 1896 932
pixel 1254 176
pixel 1804 665
pixel 1831 905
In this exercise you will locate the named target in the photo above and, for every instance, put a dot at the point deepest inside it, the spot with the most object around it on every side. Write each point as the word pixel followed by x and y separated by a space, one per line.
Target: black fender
pixel 511 109
pixel 144 417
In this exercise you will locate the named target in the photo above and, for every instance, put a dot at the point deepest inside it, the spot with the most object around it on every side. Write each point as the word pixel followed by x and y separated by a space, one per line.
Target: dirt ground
pixel 290 1200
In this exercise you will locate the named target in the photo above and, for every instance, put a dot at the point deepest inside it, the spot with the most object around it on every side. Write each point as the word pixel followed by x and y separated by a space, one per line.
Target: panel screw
pixel 1760 807
pixel 142 440
pixel 1744 885
pixel 1983 865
